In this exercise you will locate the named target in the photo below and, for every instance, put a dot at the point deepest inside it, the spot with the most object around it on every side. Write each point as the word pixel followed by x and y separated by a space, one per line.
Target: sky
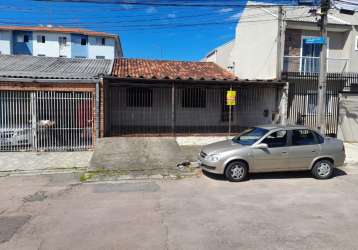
pixel 149 32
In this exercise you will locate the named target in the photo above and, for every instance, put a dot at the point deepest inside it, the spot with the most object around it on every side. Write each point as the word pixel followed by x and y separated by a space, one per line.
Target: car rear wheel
pixel 236 171
pixel 323 169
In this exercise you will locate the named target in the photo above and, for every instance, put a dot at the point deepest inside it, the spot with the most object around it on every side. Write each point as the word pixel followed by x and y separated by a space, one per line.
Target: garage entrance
pixel 348 117
pixel 45 120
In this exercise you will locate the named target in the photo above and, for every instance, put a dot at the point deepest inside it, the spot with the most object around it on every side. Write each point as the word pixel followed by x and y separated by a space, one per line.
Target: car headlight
pixel 213 158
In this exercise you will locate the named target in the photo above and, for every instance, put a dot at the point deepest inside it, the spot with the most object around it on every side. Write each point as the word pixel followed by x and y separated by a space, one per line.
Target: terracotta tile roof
pixel 157 69
pixel 58 29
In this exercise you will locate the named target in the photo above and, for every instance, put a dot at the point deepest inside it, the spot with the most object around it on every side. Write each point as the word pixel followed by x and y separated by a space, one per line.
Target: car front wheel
pixel 236 171
pixel 323 169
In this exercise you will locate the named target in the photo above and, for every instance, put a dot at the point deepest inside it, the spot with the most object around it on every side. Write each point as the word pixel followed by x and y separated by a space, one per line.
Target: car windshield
pixel 250 136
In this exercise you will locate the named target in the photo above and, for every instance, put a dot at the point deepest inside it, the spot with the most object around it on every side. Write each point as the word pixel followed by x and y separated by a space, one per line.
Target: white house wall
pixel 354 52
pixel 255 49
pixel 5 42
pixel 95 50
pixel 222 56
pixel 51 47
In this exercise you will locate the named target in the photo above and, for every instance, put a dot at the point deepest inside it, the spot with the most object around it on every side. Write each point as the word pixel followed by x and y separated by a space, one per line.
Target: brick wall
pixel 101 108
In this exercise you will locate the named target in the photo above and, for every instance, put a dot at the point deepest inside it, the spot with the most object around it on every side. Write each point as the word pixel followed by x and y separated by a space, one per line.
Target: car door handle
pixel 313 151
pixel 284 152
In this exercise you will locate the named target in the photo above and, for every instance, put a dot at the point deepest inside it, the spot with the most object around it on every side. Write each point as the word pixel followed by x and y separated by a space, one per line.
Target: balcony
pixel 305 64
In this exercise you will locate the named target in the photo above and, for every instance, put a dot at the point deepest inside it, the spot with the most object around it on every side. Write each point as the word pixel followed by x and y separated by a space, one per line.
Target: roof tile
pixel 160 69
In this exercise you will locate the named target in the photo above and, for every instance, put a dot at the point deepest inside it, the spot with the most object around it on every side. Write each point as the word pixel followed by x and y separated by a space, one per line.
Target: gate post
pixel 284 104
pixel 34 120
pixel 173 110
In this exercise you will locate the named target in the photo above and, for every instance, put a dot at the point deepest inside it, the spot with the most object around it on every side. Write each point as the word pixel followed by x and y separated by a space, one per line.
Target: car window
pixel 276 139
pixel 303 137
pixel 250 136
pixel 319 138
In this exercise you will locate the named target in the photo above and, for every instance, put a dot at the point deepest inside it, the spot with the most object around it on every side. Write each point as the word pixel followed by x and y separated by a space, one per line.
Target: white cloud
pixel 172 15
pixel 126 6
pixel 151 10
pixel 234 17
pixel 225 10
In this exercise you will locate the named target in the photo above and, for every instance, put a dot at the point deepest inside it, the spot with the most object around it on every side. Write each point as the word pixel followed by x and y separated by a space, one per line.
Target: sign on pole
pixel 315 40
pixel 231 98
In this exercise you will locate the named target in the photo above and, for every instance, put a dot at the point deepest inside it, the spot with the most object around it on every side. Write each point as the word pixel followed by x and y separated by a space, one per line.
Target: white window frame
pixel 62 38
pixel 39 39
pixel 301 49
pixel 99 41
pixel 21 38
pixel 356 44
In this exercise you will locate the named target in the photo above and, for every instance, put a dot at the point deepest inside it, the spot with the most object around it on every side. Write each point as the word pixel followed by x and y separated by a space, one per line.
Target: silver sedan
pixel 271 149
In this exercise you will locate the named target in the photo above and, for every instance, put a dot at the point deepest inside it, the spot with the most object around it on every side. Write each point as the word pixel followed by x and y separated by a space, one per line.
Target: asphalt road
pixel 270 211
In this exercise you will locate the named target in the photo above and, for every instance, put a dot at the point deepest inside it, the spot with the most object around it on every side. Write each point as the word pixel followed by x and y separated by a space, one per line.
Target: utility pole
pixel 322 83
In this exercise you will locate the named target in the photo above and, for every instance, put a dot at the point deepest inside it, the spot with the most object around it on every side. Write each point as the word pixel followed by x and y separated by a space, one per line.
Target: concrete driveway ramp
pixel 156 155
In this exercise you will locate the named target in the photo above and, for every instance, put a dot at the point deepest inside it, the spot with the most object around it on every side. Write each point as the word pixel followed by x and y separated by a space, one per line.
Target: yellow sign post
pixel 231 98
pixel 230 101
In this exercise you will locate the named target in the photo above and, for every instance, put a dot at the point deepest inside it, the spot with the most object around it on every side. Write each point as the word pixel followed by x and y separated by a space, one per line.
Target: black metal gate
pixel 168 109
pixel 303 89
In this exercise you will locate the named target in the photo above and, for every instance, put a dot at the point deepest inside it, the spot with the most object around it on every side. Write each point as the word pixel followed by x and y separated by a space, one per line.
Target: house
pixel 54 104
pixel 176 98
pixel 49 103
pixel 259 52
pixel 52 41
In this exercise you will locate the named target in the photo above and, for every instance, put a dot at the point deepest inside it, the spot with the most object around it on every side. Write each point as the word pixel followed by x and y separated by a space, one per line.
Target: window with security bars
pixel 193 98
pixel 139 97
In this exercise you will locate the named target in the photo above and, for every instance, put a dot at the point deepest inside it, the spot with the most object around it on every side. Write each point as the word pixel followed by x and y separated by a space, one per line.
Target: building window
pixel 41 39
pixel 356 43
pixel 139 97
pixel 26 38
pixel 80 57
pixel 100 41
pixel 62 40
pixel 312 104
pixel 100 57
pixel 83 41
pixel 193 98
pixel 22 38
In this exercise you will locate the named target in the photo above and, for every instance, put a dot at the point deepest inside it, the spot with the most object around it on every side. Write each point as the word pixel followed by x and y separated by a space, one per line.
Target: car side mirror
pixel 261 146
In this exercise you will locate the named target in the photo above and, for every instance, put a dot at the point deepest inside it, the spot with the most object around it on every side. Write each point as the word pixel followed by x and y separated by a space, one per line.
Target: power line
pixel 181 25
pixel 167 4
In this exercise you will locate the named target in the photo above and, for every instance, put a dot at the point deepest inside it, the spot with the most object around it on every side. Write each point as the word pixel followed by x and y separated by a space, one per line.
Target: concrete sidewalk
pixel 39 162
pixel 351 154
